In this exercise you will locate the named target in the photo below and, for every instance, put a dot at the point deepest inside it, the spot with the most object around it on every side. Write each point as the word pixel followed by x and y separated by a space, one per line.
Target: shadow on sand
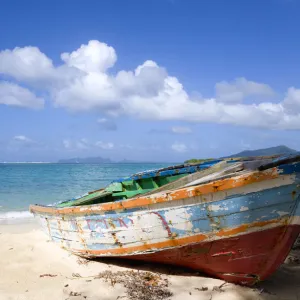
pixel 151 267
pixel 284 284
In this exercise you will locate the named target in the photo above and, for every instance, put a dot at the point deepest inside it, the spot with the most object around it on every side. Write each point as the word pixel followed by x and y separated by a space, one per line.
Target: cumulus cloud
pixel 93 57
pixel 14 95
pixel 84 82
pixel 292 100
pixel 239 89
pixel 25 64
pixel 179 147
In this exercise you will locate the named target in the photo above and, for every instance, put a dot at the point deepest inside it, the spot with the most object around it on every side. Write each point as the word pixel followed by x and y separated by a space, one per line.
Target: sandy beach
pixel 32 267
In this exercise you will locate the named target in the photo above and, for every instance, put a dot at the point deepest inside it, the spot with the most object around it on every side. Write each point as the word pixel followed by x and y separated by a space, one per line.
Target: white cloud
pixel 26 64
pixel 107 124
pixel 240 88
pixel 292 100
pixel 93 57
pixel 14 95
pixel 22 138
pixel 181 129
pixel 82 83
pixel 179 147
pixel 105 146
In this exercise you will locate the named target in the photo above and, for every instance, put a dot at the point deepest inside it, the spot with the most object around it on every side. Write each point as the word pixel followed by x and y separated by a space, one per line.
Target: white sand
pixel 25 254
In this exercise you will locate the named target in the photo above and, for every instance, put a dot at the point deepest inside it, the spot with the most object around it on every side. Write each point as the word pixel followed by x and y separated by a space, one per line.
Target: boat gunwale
pixel 222 184
pixel 166 196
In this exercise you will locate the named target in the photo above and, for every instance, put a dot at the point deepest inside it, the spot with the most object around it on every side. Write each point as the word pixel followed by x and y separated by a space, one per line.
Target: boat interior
pixel 175 177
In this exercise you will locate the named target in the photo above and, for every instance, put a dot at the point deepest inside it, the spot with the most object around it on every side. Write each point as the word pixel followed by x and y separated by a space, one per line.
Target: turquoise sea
pixel 23 184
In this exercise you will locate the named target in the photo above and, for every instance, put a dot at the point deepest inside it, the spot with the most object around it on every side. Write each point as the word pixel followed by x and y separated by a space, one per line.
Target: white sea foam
pixel 15 215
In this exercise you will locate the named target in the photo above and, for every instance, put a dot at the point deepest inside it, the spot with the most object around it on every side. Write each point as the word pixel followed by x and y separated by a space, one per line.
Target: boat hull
pixel 239 229
pixel 245 259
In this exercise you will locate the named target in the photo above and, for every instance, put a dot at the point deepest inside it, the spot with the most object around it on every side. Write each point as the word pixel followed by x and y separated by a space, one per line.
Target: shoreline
pixel 24 218
pixel 34 268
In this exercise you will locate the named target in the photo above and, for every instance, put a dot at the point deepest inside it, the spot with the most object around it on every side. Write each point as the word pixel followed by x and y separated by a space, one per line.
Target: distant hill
pixel 86 160
pixel 267 151
pixel 259 152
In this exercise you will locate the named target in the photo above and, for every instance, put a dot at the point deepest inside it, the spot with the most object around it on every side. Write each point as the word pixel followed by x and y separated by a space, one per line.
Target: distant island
pixel 259 152
pixel 266 151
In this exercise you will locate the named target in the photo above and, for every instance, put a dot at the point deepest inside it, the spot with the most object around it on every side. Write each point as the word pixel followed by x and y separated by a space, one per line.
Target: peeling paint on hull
pixel 245 259
pixel 239 229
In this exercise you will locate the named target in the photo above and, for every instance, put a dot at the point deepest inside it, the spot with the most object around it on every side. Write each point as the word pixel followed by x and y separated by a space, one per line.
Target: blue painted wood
pixel 181 169
pixel 185 169
pixel 204 218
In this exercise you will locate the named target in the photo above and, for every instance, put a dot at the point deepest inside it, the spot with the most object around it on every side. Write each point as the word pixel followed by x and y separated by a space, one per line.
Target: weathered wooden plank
pixel 189 178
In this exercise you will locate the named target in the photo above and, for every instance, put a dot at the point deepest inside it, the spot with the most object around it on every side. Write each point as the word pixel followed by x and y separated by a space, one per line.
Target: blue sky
pixel 160 80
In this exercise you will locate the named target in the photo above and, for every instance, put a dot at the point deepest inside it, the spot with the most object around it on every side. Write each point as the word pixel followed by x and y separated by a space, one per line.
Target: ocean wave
pixel 15 215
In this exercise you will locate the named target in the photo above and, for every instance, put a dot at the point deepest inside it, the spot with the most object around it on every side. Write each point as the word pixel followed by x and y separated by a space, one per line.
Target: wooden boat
pixel 234 221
